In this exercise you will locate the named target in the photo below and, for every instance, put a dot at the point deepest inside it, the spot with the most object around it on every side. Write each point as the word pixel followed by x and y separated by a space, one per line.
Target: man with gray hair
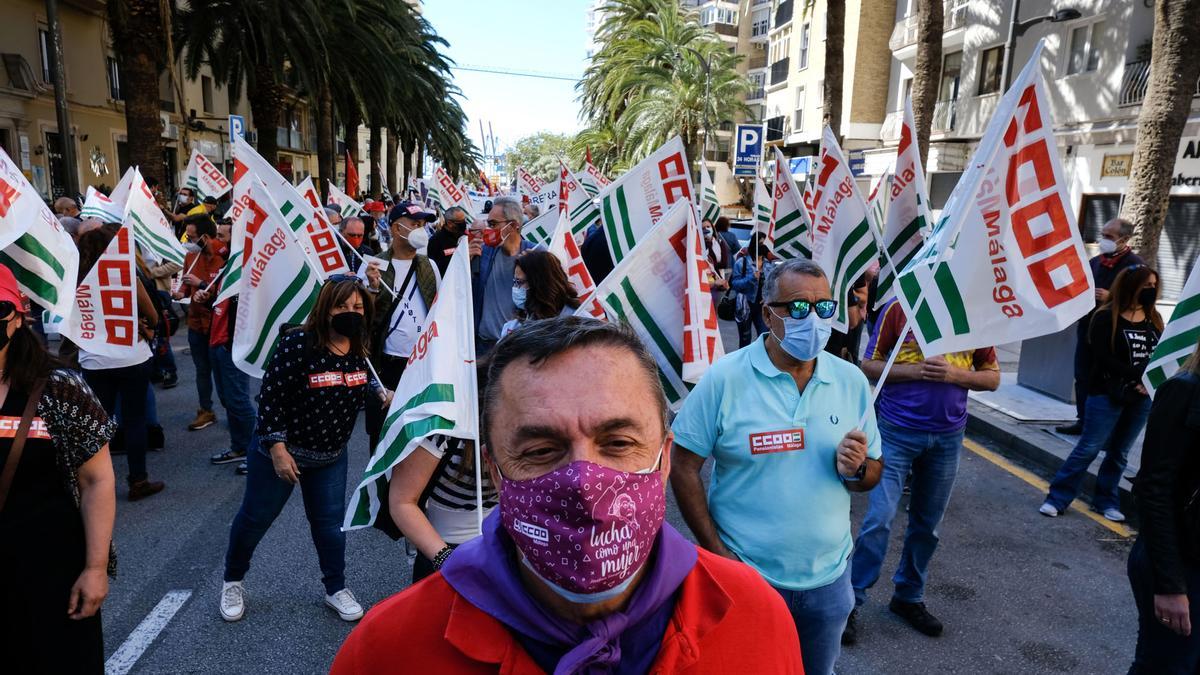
pixel 443 242
pixel 1115 256
pixel 780 419
pixel 65 206
pixel 492 275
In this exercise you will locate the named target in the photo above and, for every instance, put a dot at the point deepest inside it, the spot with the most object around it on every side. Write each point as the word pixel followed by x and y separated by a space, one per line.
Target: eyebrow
pixel 529 431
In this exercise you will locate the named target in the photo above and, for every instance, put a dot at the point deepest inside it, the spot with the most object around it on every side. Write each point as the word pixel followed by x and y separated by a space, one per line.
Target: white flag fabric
pixel 636 201
pixel 790 233
pixel 101 207
pixel 154 235
pixel 762 208
pixel 38 251
pixel 435 395
pixel 576 203
pixel 279 283
pixel 710 206
pixel 844 241
pixel 565 248
pixel 539 230
pixel 1005 262
pixel 661 290
pixel 345 203
pixel 450 193
pixel 529 184
pixel 542 194
pixel 105 320
pixel 204 178
pixel 592 180
pixel 908 220
pixel 1179 337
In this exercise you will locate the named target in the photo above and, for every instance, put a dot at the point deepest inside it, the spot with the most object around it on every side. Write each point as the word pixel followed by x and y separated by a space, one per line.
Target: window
pixel 804 35
pixel 760 22
pixel 114 79
pixel 781 45
pixel 44 46
pixel 989 70
pixel 206 92
pixel 905 92
pixel 951 72
pixel 1085 48
pixel 798 120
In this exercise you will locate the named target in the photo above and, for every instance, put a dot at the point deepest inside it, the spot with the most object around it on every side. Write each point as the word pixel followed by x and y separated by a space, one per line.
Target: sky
pixel 500 35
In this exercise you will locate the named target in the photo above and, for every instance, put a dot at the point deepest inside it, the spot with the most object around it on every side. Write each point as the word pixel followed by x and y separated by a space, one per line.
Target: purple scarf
pixel 484 571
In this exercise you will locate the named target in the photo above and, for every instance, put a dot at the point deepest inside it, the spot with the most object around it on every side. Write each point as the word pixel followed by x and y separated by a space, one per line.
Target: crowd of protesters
pixel 576 437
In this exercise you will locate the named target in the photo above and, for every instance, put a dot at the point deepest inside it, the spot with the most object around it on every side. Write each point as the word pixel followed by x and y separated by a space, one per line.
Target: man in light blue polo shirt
pixel 779 419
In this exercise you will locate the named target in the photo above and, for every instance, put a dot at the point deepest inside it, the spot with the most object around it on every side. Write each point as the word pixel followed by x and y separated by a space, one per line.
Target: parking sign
pixel 748 149
pixel 237 127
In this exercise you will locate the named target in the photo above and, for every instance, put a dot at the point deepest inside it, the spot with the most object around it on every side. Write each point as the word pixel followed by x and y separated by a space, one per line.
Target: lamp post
pixel 1017 28
pixel 59 79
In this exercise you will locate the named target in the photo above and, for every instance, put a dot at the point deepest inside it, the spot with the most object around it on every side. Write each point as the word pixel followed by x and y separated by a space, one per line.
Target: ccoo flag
pixel 204 178
pixel 762 208
pixel 563 245
pixel 662 291
pixel 789 232
pixel 539 229
pixel 576 203
pixel 105 320
pixel 1005 261
pixel 636 201
pixel 435 395
pixel 100 206
pixel 843 239
pixel 1179 338
pixel 345 203
pixel 592 180
pixel 154 236
pixel 449 193
pixel 710 206
pixel 907 219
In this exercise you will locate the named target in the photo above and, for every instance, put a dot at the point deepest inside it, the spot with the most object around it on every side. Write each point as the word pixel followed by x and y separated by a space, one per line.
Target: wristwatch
pixel 858 475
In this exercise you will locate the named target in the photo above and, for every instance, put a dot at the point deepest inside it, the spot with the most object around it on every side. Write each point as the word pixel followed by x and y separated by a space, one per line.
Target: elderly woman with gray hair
pixel 497 247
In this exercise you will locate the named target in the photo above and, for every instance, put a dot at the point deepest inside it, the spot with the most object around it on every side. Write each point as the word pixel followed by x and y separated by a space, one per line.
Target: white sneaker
pixel 1047 509
pixel 345 605
pixel 1114 515
pixel 233 600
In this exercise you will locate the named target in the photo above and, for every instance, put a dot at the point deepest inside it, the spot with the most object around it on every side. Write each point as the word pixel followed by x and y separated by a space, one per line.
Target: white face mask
pixel 1108 246
pixel 418 238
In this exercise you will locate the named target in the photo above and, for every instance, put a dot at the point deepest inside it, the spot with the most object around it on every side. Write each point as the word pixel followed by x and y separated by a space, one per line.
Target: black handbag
pixel 727 306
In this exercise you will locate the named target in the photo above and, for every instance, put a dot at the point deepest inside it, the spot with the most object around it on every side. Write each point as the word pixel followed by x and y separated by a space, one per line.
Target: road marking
pixel 122 660
pixel 1042 485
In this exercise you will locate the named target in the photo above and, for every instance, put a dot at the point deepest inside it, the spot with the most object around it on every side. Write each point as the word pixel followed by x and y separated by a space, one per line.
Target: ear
pixel 668 448
pixel 492 469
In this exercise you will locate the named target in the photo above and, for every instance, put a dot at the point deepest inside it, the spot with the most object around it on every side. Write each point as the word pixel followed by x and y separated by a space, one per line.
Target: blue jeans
pixel 1160 650
pixel 933 459
pixel 1108 426
pixel 753 326
pixel 198 343
pixel 324 491
pixel 127 385
pixel 820 615
pixel 233 388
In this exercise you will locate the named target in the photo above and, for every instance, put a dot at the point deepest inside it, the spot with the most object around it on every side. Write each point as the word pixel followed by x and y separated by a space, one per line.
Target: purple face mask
pixel 584 529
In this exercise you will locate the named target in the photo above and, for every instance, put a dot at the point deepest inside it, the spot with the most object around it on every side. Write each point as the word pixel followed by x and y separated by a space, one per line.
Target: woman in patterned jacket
pixel 57 504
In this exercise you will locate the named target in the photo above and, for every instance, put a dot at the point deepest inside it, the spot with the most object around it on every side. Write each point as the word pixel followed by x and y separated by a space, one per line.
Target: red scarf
pixel 1111 261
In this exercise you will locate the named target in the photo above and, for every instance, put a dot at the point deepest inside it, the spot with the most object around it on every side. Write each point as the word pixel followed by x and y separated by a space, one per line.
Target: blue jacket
pixel 743 281
pixel 481 271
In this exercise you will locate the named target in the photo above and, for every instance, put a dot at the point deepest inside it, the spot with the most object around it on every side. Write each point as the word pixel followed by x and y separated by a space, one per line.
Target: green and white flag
pixel 204 178
pixel 105 319
pixel 542 194
pixel 1005 262
pixel 636 201
pixel 1180 336
pixel 564 247
pixel 100 206
pixel 592 180
pixel 907 221
pixel 451 194
pixel 575 202
pixel 345 203
pixel 40 253
pixel 662 291
pixel 435 395
pixel 279 284
pixel 844 243
pixel 539 230
pixel 710 206
pixel 762 208
pixel 154 236
pixel 789 231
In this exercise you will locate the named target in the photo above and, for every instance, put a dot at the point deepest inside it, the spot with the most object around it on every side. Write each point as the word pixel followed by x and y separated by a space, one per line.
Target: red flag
pixel 562 187
pixel 487 184
pixel 589 154
pixel 351 177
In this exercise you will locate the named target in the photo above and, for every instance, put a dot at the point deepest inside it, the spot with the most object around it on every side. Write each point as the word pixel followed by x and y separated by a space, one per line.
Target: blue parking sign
pixel 237 126
pixel 748 149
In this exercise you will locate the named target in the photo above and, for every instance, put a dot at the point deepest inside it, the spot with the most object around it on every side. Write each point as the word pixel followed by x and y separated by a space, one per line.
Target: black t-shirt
pixel 1119 358
pixel 39 506
pixel 441 246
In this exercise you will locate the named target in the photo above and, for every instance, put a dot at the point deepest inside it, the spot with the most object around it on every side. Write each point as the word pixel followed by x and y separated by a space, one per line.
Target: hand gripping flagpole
pixel 359 256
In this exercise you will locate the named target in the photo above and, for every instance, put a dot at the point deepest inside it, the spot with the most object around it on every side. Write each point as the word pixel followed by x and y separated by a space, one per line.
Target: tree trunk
pixel 1174 70
pixel 353 122
pixel 393 145
pixel 406 150
pixel 325 142
pixel 835 39
pixel 138 41
pixel 266 102
pixel 928 74
pixel 419 160
pixel 373 147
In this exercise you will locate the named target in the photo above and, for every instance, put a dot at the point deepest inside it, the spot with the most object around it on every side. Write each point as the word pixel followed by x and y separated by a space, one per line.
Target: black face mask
pixel 348 324
pixel 4 336
pixel 1147 296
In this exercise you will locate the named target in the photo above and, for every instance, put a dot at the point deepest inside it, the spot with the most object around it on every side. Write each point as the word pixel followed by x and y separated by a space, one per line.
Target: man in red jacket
pixel 577 570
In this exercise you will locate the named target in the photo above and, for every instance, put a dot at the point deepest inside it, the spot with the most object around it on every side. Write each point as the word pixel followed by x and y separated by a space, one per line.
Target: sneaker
pixel 917 616
pixel 1049 510
pixel 144 488
pixel 170 380
pixel 242 469
pixel 850 633
pixel 1073 429
pixel 345 605
pixel 233 601
pixel 1114 515
pixel 228 457
pixel 155 438
pixel 204 418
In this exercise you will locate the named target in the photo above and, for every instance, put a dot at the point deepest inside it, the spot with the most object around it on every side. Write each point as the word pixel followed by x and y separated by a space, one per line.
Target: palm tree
pixel 137 32
pixel 1174 70
pixel 928 74
pixel 835 43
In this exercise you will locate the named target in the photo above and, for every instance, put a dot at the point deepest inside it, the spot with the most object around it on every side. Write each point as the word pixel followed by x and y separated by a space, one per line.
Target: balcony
pixel 783 14
pixel 943 116
pixel 756 94
pixel 726 29
pixel 1134 83
pixel 906 31
pixel 775 129
pixel 757 60
pixel 779 71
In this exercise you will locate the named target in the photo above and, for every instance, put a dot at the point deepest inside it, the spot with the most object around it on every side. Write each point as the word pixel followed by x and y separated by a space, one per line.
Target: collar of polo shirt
pixel 762 361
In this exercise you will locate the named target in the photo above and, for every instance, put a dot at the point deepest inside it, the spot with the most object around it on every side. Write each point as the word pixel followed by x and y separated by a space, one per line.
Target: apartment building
pixel 1096 70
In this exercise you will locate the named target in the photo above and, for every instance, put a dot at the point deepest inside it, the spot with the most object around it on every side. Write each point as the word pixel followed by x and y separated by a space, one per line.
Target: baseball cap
pixel 407 209
pixel 372 206
pixel 10 292
pixel 210 200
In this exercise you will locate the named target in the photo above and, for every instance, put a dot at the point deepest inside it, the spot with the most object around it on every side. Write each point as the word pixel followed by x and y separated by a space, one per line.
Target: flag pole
pixel 462 243
pixel 359 256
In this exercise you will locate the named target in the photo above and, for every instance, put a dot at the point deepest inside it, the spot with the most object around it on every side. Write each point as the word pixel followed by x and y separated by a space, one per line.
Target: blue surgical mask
pixel 804 338
pixel 518 296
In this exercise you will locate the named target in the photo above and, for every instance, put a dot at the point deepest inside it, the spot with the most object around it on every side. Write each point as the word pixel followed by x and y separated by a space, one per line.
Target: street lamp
pixel 707 98
pixel 1018 28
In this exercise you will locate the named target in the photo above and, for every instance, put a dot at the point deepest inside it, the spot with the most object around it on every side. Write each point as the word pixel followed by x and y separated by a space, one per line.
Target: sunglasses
pixel 339 278
pixel 499 223
pixel 800 309
pixel 7 309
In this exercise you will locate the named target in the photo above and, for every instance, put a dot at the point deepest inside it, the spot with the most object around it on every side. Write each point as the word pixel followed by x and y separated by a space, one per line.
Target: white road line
pixel 122 660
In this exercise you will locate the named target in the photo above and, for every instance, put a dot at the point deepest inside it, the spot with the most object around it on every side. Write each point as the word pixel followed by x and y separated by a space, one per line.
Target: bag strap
pixel 443 462
pixel 14 454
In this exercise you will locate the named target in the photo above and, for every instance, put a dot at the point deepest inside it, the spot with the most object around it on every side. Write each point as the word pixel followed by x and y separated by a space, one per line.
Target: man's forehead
pixel 794 285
